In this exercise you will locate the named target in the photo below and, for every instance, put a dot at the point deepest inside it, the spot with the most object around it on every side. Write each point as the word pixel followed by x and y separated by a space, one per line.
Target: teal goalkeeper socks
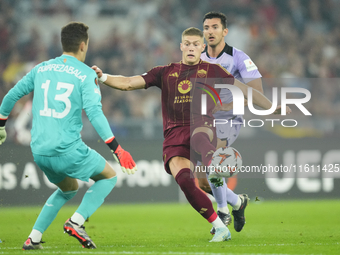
pixel 95 196
pixel 51 208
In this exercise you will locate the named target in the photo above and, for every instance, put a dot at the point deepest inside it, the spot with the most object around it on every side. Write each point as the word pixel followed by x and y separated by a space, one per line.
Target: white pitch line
pixel 196 246
pixel 47 250
pixel 148 253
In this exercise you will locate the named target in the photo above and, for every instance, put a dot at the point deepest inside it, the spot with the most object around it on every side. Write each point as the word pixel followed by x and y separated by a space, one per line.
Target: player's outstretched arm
pixel 102 127
pixel 224 107
pixel 123 157
pixel 22 88
pixel 256 84
pixel 258 98
pixel 278 110
pixel 120 82
pixel 93 109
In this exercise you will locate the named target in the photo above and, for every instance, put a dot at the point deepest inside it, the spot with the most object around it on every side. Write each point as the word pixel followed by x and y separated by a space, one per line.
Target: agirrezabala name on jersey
pixel 62 68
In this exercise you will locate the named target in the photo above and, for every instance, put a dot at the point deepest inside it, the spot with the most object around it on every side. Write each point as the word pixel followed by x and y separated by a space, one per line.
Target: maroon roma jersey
pixel 182 88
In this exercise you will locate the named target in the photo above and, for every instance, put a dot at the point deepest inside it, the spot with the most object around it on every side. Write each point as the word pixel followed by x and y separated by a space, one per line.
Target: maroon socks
pixel 198 200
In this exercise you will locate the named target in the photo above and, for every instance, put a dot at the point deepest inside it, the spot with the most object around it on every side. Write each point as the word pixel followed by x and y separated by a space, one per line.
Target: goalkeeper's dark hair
pixel 72 35
pixel 218 15
pixel 192 31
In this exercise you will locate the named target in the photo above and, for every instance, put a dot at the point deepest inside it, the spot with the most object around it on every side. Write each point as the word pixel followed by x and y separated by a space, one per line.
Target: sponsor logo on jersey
pixel 175 74
pixel 206 124
pixel 184 86
pixel 201 73
pixel 225 66
pixel 250 65
pixel 97 91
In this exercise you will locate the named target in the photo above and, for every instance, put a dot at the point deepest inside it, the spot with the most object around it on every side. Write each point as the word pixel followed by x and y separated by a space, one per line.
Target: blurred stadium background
pixel 294 43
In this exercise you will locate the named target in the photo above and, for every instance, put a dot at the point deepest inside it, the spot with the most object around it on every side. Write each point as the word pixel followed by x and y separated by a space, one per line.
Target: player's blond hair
pixel 192 31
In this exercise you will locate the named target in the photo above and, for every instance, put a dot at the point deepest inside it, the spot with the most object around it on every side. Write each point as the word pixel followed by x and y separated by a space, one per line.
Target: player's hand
pixel 217 108
pixel 125 160
pixel 216 180
pixel 102 77
pixel 3 135
pixel 98 71
pixel 278 110
pixel 223 107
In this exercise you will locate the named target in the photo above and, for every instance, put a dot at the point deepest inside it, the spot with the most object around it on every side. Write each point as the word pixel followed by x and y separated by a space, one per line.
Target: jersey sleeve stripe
pixel 109 140
pixel 2 117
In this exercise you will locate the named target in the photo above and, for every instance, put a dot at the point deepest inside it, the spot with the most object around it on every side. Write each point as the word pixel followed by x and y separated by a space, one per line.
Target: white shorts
pixel 229 132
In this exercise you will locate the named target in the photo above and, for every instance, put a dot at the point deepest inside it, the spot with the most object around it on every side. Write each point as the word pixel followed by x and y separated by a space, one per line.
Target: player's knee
pixel 113 180
pixel 107 173
pixel 205 188
pixel 68 184
pixel 69 194
pixel 73 187
pixel 204 185
pixel 221 143
pixel 113 174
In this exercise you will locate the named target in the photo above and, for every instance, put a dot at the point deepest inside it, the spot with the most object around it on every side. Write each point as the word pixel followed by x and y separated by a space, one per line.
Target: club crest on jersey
pixel 225 66
pixel 97 91
pixel 201 73
pixel 184 86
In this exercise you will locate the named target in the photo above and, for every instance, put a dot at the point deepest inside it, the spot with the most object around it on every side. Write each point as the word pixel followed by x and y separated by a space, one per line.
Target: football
pixel 226 162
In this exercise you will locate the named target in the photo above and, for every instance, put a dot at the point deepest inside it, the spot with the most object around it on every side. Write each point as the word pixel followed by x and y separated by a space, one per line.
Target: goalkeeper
pixel 62 88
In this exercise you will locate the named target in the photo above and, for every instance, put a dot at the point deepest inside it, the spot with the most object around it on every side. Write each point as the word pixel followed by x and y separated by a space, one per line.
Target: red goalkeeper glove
pixel 122 157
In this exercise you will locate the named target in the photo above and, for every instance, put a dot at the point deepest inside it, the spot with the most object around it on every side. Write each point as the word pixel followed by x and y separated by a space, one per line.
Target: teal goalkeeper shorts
pixel 82 163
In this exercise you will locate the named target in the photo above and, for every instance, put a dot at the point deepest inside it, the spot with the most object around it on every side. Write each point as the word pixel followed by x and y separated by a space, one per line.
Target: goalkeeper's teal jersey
pixel 62 88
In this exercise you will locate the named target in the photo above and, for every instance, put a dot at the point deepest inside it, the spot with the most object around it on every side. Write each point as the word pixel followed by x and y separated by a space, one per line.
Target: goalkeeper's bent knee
pixel 68 194
pixel 113 180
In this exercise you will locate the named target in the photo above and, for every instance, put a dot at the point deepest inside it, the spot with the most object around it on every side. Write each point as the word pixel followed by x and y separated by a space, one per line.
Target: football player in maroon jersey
pixel 185 129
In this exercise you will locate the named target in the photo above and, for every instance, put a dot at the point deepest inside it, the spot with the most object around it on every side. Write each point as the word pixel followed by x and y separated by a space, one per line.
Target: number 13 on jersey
pixel 64 97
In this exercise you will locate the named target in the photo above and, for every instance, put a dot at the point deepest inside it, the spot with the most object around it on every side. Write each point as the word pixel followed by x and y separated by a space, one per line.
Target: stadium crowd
pixel 293 43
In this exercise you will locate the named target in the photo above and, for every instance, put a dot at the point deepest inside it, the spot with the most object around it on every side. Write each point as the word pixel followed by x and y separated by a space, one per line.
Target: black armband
pixel 3 122
pixel 113 144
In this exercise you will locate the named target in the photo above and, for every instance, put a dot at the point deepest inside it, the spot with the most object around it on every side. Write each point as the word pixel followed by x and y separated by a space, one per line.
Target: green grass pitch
pixel 273 227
